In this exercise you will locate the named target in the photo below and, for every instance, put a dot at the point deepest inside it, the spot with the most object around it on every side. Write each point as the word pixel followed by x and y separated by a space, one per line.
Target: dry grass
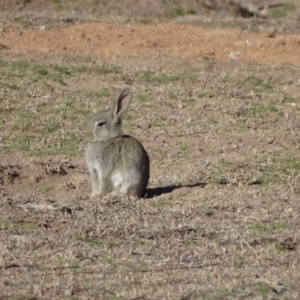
pixel 221 219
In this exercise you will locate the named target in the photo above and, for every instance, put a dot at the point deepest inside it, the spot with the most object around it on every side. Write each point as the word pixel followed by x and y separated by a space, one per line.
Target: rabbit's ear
pixel 122 103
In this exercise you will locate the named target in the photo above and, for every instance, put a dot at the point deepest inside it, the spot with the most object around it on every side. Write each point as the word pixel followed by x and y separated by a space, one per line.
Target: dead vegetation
pixel 221 216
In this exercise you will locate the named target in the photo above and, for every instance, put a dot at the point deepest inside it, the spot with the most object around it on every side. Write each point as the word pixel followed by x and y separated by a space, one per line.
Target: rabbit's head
pixel 107 124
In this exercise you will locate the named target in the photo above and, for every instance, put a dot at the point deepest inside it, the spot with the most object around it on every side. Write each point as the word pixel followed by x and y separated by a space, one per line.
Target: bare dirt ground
pixel 216 105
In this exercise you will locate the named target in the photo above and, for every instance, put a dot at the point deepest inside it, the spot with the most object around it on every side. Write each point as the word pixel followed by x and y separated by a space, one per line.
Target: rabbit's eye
pixel 100 124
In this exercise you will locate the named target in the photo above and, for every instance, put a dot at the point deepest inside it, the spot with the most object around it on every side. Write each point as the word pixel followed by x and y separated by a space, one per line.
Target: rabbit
pixel 117 163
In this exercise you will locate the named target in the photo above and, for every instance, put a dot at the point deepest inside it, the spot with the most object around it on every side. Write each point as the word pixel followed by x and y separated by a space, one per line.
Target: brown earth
pixel 218 111
pixel 111 41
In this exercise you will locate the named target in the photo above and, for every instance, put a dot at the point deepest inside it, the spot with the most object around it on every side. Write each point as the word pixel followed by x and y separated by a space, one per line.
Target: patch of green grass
pixel 215 295
pixel 218 177
pixel 105 70
pixel 51 128
pixel 289 99
pixel 23 144
pixel 257 84
pixel 238 263
pixel 25 298
pixel 56 73
pixel 94 69
pixel 288 163
pixel 178 11
pixel 23 2
pixel 282 12
pixel 143 98
pixel 280 246
pixel 67 263
pixel 225 24
pixel 19 66
pixel 110 261
pixel 46 190
pixel 63 70
pixel 70 109
pixel 26 226
pixel 239 128
pixel 143 20
pixel 101 93
pixel 206 94
pixel 149 76
pixel 260 180
pixel 152 77
pixel 66 147
pixel 40 70
pixel 25 23
pixel 20 126
pixel 261 108
pixel 189 101
pixel 35 71
pixel 4 224
pixel 91 241
pixel 268 227
pixel 263 289
pixel 225 163
pixel 10 86
pixel 137 267
pixel 183 146
pixel 58 4
pixel 97 242
pixel 158 150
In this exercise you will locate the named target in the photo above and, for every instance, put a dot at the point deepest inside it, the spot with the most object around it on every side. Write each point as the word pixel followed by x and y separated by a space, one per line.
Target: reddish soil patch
pixel 174 40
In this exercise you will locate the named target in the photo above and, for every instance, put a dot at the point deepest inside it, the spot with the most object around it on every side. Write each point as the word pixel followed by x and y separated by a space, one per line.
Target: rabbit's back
pixel 122 162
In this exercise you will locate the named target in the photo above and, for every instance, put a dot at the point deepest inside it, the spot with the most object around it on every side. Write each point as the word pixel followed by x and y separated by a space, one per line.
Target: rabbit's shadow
pixel 154 192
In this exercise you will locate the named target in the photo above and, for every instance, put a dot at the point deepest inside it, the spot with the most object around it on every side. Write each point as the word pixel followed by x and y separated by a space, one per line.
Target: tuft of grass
pixel 52 128
pixel 215 295
pixel 206 94
pixel 105 70
pixel 152 77
pixel 149 76
pixel 218 177
pixel 36 72
pixel 257 84
pixel 289 163
pixel 66 147
pixel 90 240
pixel 189 101
pixel 282 12
pixel 183 146
pixel 238 263
pixel 260 180
pixel 263 289
pixel 46 190
pixel 143 98
pixel 58 4
pixel 67 263
pixel 178 11
pixel 268 227
pixel 280 246
pixel 261 108
pixel 10 86
pixel 26 226
pixel 23 144
pixel 110 261
pixel 25 23
pixel 101 93
pixel 25 298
